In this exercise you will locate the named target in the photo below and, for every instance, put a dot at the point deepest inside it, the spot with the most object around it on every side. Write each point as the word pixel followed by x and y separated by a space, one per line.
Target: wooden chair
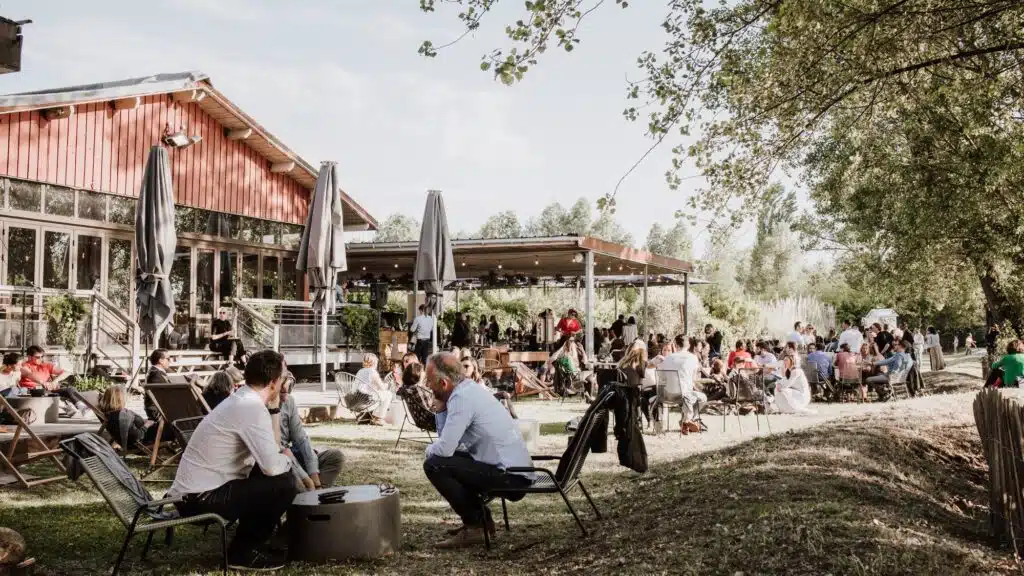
pixel 129 500
pixel 13 462
pixel 175 401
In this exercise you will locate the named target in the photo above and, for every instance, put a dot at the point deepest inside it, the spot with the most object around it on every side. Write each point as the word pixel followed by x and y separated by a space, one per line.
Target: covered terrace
pixel 522 262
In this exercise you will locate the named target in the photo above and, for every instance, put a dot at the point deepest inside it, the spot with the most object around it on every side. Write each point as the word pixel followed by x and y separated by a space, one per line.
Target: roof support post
pixel 686 303
pixel 588 335
pixel 647 328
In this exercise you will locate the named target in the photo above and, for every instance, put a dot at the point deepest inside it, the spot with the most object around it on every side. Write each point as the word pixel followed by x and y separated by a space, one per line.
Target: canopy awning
pixel 535 258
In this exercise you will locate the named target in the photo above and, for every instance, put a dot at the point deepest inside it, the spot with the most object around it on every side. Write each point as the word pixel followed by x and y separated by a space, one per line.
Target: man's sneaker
pixel 255 561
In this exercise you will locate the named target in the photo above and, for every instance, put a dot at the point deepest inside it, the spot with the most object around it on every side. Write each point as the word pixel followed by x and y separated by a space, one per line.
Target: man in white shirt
pixel 234 465
pixel 851 336
pixel 478 424
pixel 686 363
pixel 423 328
pixel 797 335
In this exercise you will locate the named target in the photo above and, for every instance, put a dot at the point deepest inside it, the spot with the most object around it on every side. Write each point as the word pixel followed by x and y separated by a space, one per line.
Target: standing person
pixel 907 337
pixel 491 441
pixel 932 343
pixel 630 331
pixel 956 343
pixel 797 335
pixel 217 473
pixel 919 344
pixel 493 330
pixel 850 336
pixel 423 328
pixel 481 330
pixel 461 332
pixel 617 326
pixel 969 344
pixel 569 325
pixel 992 339
pixel 884 340
pixel 315 470
pixel 714 337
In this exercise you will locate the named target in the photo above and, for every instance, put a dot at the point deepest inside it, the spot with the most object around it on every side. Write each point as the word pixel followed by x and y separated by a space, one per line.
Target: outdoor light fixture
pixel 179 139
pixel 463 263
pixel 577 258
pixel 536 262
pixel 499 266
pixel 396 265
pixel 364 268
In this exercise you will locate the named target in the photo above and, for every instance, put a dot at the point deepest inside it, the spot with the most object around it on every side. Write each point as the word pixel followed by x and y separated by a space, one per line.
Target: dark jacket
pixel 155 376
pixel 460 334
pixel 624 403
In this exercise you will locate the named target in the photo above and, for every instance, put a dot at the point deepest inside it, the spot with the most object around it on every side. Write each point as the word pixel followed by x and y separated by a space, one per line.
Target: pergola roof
pixel 542 257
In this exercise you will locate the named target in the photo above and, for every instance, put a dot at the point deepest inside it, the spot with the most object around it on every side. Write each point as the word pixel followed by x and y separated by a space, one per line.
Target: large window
pixel 119 273
pixel 60 201
pixel 21 256
pixel 270 278
pixel 89 262
pixel 26 196
pixel 92 206
pixel 56 260
pixel 250 276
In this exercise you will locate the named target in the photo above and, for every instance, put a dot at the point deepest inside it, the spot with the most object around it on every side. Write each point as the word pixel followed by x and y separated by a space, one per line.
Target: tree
pixel 674 242
pixel 398 228
pixel 904 114
pixel 773 262
pixel 606 228
pixel 502 225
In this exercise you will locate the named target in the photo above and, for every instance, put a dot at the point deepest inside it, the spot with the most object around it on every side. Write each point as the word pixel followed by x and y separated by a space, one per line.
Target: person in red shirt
pixel 37 373
pixel 570 324
pixel 739 355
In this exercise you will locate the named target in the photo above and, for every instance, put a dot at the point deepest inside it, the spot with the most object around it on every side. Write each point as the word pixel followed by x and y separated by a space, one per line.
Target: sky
pixel 341 80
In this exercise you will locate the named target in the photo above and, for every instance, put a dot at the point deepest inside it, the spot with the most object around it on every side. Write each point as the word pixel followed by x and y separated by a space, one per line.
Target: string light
pixel 499 266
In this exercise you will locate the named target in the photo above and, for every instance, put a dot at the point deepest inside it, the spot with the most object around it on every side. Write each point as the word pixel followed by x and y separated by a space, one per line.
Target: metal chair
pixel 129 500
pixel 355 400
pixel 420 416
pixel 670 393
pixel 563 480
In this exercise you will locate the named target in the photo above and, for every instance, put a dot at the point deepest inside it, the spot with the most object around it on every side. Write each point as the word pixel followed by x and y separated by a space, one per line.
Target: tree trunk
pixel 1001 306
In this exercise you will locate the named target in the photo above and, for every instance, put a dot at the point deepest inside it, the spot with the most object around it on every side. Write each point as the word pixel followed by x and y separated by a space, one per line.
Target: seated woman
pixel 738 356
pixel 566 364
pixel 223 340
pixel 1011 366
pixel 370 383
pixel 218 389
pixel 471 370
pixel 10 376
pixel 633 367
pixel 127 428
pixel 718 388
pixel 793 393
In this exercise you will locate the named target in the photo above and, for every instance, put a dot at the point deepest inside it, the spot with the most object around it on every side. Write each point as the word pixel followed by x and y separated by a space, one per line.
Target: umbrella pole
pixel 323 351
pixel 437 316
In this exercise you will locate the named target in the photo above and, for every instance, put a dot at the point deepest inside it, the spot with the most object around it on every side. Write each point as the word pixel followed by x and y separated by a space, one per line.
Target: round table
pixel 368 524
pixel 46 408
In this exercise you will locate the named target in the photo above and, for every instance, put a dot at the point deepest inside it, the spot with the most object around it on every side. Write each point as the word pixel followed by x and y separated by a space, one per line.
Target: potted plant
pixel 65 313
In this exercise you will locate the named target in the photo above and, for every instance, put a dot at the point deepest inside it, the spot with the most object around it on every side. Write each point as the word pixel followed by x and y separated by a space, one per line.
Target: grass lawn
pixel 877 494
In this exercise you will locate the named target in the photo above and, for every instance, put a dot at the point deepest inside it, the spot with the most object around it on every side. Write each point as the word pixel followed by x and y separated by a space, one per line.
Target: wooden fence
pixel 999 415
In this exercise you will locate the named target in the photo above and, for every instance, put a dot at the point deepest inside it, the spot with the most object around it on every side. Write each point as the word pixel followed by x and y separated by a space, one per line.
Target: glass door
pixel 120 269
pixel 181 286
pixel 88 262
pixel 57 261
pixel 205 283
pixel 18 258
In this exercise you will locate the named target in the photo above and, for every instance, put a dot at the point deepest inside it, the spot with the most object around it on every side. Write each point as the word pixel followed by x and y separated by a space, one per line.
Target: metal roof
pixel 213 102
pixel 542 257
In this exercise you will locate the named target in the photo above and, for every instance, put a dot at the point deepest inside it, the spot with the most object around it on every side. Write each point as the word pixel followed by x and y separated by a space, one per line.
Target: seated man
pixel 897 364
pixel 477 422
pixel 767 361
pixel 37 373
pixel 315 470
pixel 821 362
pixel 234 465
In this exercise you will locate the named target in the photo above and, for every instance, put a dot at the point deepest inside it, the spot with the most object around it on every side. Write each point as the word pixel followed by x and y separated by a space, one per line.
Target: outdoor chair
pixel 129 500
pixel 749 390
pixel 36 449
pixel 175 401
pixel 898 383
pixel 183 429
pixel 846 384
pixel 354 399
pixel 563 480
pixel 421 417
pixel 670 393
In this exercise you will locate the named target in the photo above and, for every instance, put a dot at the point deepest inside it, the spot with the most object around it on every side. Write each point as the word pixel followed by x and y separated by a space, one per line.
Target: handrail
pixel 268 326
pixel 305 304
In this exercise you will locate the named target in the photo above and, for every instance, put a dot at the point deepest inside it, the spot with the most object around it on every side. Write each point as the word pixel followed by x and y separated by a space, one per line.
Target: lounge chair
pixel 12 462
pixel 133 505
pixel 175 401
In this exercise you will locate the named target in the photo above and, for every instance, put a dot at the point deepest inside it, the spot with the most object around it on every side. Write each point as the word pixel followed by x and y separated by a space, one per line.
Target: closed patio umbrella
pixel 155 243
pixel 435 266
pixel 322 251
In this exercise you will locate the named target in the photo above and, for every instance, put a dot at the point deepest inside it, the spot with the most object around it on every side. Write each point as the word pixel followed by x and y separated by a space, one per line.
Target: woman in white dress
pixel 793 393
pixel 931 342
pixel 370 383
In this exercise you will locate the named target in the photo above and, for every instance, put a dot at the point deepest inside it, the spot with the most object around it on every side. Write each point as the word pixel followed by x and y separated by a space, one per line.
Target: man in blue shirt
pixel 898 365
pixel 821 361
pixel 478 442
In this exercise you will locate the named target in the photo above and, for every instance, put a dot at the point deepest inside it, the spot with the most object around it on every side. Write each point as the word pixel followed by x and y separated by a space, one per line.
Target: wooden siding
pixel 105 150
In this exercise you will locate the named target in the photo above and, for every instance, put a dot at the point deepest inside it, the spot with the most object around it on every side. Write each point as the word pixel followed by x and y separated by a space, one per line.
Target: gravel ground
pixel 671 446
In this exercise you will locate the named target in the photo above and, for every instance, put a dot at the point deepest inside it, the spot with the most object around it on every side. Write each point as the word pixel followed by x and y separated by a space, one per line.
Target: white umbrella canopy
pixel 435 265
pixel 155 241
pixel 322 250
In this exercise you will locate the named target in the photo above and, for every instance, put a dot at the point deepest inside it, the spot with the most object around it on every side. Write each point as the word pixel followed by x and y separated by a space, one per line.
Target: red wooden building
pixel 71 162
